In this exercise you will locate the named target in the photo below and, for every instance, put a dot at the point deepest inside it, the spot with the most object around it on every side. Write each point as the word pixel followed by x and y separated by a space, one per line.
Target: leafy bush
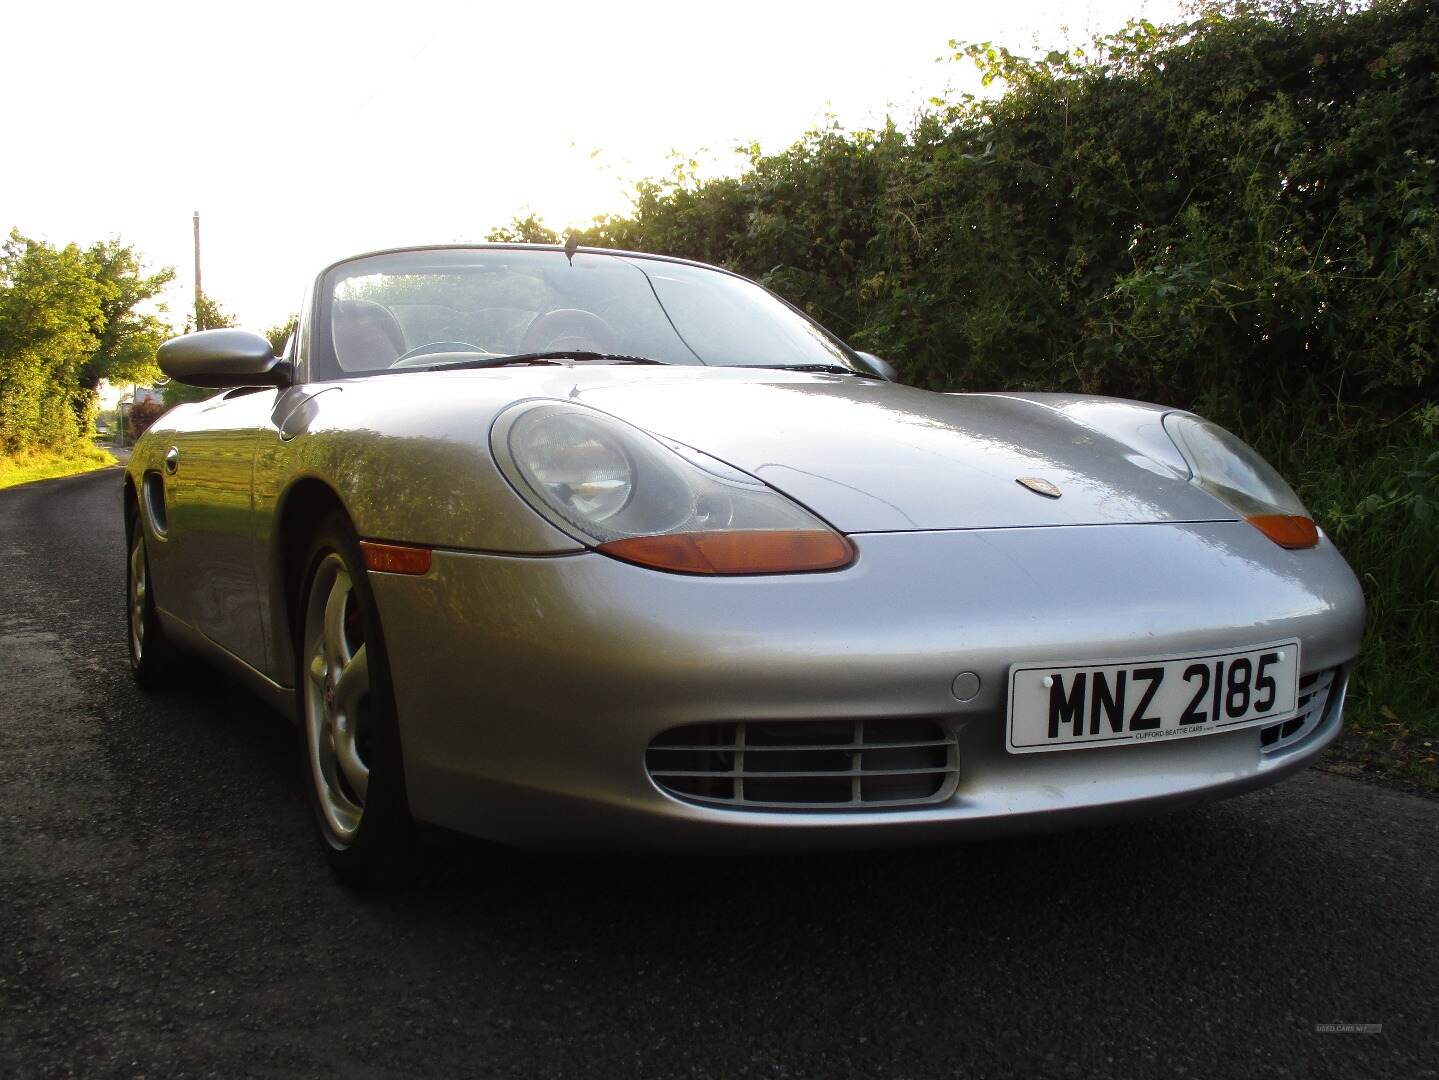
pixel 1236 213
pixel 141 415
pixel 1375 486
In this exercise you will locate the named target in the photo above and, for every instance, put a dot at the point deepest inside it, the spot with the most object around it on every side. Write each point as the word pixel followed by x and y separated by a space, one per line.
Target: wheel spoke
pixel 350 689
pixel 336 652
pixel 352 685
pixel 137 596
pixel 347 755
pixel 335 751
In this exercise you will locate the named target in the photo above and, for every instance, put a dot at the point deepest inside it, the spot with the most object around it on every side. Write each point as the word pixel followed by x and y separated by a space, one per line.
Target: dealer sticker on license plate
pixel 1065 706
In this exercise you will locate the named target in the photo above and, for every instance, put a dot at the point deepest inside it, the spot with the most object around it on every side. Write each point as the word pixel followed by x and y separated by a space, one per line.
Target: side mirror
pixel 883 368
pixel 221 358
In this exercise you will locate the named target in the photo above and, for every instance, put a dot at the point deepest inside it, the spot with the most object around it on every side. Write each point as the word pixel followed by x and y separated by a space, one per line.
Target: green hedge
pixel 1226 211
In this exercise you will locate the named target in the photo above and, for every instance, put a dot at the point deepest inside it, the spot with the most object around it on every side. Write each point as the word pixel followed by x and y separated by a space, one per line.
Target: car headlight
pixel 1232 472
pixel 662 505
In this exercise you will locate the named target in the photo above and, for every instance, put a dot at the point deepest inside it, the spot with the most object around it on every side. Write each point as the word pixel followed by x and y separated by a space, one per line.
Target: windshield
pixel 429 308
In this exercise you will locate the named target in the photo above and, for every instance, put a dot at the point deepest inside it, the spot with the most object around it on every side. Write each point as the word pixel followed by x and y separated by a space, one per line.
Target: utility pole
pixel 197 271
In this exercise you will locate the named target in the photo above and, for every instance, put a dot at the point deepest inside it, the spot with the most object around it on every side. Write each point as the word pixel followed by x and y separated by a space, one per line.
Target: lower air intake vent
pixel 806 764
pixel 1313 698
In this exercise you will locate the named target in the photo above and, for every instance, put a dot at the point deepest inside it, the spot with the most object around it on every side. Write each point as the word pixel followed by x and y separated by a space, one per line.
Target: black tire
pixel 365 830
pixel 154 661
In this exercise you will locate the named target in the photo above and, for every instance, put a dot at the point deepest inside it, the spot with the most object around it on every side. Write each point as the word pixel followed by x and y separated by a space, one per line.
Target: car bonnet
pixel 870 456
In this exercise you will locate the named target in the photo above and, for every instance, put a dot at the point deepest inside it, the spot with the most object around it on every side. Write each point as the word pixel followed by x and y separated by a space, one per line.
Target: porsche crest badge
pixel 1038 486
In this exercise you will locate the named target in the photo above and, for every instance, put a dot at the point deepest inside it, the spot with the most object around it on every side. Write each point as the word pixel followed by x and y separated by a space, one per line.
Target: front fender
pixel 418 475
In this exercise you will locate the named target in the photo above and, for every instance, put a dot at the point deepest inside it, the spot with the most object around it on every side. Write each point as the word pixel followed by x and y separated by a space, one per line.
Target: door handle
pixel 172 461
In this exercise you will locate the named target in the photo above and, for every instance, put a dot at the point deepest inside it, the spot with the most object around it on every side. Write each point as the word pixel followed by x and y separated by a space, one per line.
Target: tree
pixel 128 334
pixel 70 317
pixel 51 319
pixel 526 230
pixel 280 334
pixel 211 316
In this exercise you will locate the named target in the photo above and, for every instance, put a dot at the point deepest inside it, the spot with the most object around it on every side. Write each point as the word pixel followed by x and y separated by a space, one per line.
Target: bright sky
pixel 304 132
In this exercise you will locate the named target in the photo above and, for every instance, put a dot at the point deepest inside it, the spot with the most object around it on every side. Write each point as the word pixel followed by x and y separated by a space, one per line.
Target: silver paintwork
pixel 530 674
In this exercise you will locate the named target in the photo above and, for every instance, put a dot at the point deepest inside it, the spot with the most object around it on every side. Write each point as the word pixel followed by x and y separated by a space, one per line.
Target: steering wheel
pixel 568 328
pixel 437 346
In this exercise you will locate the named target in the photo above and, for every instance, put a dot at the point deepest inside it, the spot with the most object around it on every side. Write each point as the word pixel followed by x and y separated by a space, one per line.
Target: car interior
pixel 369 335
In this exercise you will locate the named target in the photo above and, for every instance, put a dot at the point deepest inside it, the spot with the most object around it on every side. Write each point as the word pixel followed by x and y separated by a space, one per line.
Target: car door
pixel 210 476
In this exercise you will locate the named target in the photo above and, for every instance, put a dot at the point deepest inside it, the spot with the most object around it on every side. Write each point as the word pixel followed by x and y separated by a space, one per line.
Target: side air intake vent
pixel 154 487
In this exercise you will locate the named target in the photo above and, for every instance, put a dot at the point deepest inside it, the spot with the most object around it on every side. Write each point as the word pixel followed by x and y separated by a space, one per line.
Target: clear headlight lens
pixel 583 475
pixel 1227 468
pixel 657 504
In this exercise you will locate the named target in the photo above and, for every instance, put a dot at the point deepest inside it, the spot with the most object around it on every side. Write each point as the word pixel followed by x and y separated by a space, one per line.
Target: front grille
pixel 806 764
pixel 1313 697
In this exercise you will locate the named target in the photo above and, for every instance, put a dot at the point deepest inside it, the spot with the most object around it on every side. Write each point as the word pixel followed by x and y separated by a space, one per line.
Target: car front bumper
pixel 529 688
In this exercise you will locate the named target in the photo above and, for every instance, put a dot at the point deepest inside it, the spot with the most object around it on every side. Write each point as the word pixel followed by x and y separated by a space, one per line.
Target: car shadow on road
pixel 1137 872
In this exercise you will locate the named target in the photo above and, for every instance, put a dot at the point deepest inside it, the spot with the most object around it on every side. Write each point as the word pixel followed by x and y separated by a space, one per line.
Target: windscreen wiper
pixel 554 357
pixel 822 369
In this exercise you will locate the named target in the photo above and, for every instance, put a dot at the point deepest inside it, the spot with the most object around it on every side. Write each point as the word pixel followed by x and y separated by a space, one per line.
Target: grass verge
pixel 46 465
pixel 1387 751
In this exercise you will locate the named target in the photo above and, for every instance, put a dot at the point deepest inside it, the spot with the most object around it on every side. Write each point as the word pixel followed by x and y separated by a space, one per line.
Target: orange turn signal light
pixel 745 551
pixel 1287 530
pixel 395 558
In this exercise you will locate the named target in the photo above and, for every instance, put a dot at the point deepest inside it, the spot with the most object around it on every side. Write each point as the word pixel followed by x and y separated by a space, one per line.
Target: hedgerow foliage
pixel 49 311
pixel 1238 214
pixel 1235 212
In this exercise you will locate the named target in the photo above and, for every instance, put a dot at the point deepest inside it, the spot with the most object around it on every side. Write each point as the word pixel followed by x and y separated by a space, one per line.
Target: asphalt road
pixel 163 912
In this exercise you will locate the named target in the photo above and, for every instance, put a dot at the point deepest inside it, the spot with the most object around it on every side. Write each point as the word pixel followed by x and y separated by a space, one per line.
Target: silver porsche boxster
pixel 588 548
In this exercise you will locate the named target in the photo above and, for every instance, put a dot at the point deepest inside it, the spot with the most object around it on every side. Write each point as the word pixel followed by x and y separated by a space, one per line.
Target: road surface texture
pixel 164 912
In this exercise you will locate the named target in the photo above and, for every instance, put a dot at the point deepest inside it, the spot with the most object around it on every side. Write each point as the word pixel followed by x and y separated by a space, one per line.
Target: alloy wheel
pixel 337 687
pixel 139 583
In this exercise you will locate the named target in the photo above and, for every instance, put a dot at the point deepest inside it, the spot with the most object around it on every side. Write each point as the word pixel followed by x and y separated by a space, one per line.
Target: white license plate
pixel 1066 706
